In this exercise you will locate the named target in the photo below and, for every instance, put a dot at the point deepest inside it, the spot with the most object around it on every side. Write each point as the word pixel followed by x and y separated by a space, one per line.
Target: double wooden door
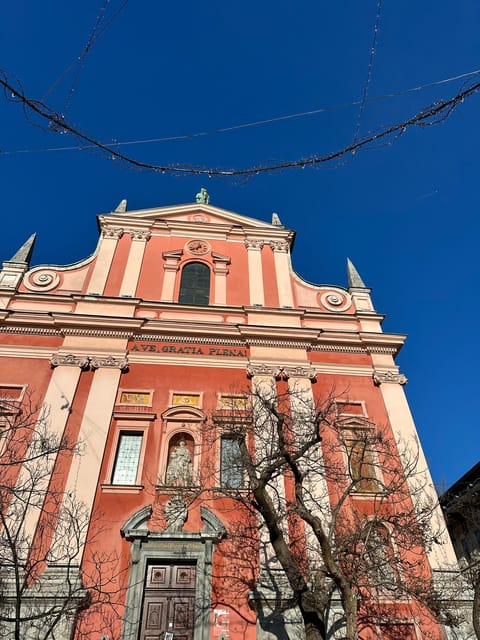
pixel 168 602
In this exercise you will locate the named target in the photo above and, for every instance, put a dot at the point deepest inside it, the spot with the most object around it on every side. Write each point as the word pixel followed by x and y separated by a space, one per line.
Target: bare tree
pixel 43 588
pixel 324 500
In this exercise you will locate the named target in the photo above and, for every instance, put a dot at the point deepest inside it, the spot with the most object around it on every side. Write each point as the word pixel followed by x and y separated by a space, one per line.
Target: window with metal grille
pixel 231 467
pixel 127 458
pixel 195 284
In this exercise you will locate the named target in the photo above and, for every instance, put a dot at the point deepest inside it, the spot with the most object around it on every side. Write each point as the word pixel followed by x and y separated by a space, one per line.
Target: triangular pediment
pixel 194 213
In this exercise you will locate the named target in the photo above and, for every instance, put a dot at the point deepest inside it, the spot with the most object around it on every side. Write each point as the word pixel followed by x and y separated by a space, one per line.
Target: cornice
pixel 75 322
pixel 283 334
pixel 382 342
pixel 20 351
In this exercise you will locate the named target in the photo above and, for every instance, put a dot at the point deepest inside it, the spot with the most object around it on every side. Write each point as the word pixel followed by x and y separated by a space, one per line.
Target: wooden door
pixel 168 602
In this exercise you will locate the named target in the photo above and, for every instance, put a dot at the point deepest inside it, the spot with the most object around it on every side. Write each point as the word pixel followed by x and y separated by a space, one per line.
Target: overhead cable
pixel 430 115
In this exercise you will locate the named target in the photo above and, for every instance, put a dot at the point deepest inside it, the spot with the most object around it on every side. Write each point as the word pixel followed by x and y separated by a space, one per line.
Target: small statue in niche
pixel 180 468
pixel 202 196
pixel 176 513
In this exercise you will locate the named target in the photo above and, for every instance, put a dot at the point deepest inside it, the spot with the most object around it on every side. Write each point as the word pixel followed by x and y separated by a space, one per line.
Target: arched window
pixel 195 284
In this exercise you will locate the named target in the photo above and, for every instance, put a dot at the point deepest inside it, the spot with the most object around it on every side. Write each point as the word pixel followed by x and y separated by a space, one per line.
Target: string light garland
pixel 291 116
pixel 366 86
pixel 79 62
pixel 431 115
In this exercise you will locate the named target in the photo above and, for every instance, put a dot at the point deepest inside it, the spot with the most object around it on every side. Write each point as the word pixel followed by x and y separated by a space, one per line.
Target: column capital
pixel 299 372
pixel 279 246
pixel 140 234
pixel 69 360
pixel 100 362
pixel 264 370
pixel 111 232
pixel 381 377
pixel 254 243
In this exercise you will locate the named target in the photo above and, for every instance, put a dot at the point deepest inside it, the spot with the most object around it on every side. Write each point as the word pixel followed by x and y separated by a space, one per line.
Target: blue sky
pixel 405 211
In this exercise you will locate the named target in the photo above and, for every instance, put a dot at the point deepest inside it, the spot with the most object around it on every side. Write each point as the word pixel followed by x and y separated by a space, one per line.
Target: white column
pixel 134 262
pixel 282 272
pixel 110 238
pixel 55 412
pixel 255 271
pixel 441 556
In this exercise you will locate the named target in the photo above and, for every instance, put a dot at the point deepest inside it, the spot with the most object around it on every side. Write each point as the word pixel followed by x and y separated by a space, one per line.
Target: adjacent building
pixel 123 359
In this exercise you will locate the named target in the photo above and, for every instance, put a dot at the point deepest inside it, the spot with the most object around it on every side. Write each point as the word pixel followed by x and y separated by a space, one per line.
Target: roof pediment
pixel 191 213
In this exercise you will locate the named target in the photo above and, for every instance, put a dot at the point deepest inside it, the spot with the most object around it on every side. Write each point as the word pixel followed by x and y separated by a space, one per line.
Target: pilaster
pixel 441 554
pixel 220 269
pixel 170 268
pixel 55 412
pixel 255 271
pixel 139 239
pixel 84 471
pixel 110 238
pixel 281 258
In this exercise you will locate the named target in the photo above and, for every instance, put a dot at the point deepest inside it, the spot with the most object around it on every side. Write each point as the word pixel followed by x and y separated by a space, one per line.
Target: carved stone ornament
pixel 335 300
pixel 108 232
pixel 110 362
pixel 280 246
pixel 254 243
pixel 263 370
pixel 298 372
pixel 41 280
pixel 380 377
pixel 69 360
pixel 140 234
pixel 176 513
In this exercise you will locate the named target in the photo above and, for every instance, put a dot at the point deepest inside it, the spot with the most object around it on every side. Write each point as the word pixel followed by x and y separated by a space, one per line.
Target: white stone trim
pixel 139 239
pixel 106 251
pixel 255 271
pixel 85 469
pixel 57 404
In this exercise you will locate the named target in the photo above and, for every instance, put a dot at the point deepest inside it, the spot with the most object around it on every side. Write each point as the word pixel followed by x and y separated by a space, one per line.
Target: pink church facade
pixel 132 349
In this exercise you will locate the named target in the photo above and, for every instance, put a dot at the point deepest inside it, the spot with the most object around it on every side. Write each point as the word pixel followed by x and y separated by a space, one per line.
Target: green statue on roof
pixel 202 196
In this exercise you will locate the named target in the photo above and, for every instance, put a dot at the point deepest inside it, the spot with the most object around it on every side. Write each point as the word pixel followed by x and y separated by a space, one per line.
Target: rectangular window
pixel 231 467
pixel 127 458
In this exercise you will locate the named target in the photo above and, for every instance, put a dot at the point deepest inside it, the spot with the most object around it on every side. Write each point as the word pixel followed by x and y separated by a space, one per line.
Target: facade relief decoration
pixel 97 362
pixel 41 279
pixel 380 377
pixel 281 372
pixel 69 360
pixel 254 243
pixel 335 300
pixel 279 246
pixel 263 370
pixel 140 234
pixel 115 233
pixel 298 372
pixel 176 513
pixel 84 362
pixel 199 217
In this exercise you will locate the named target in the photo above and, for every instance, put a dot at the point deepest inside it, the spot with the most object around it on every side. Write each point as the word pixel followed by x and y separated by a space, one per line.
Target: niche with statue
pixel 179 471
